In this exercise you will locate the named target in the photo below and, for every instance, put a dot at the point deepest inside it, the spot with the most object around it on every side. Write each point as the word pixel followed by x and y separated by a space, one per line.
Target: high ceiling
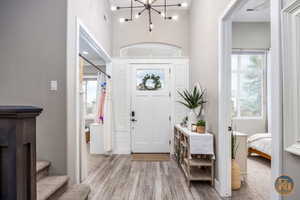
pixel 254 11
pixel 127 2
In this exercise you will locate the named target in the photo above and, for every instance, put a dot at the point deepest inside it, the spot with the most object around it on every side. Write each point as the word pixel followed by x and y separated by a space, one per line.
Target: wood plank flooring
pixel 258 183
pixel 119 178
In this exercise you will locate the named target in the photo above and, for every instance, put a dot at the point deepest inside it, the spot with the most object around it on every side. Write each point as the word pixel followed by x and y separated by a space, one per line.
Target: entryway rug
pixel 150 157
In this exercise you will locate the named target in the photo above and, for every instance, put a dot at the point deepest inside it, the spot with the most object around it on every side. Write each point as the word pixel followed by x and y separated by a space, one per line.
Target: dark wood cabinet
pixel 18 152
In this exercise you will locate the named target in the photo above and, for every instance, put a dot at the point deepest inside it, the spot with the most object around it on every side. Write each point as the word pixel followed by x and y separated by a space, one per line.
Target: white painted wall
pixel 204 17
pixel 291 162
pixel 170 32
pixel 252 35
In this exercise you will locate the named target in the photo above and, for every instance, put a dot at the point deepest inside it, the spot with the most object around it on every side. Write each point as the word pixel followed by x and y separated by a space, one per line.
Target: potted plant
pixel 193 100
pixel 201 126
pixel 235 168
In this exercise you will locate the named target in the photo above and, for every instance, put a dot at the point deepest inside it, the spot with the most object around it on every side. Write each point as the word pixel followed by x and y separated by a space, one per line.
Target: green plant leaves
pixel 192 99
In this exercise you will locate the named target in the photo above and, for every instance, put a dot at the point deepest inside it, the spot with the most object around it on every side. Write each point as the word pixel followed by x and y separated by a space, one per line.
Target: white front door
pixel 150 108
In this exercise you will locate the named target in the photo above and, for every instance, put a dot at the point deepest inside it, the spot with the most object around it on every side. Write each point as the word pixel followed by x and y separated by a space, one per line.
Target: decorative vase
pixel 192 118
pixel 235 175
pixel 200 129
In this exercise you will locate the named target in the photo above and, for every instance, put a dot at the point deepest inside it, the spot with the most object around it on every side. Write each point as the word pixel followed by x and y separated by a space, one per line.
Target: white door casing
pixel 225 41
pixel 122 87
pixel 73 98
pixel 150 110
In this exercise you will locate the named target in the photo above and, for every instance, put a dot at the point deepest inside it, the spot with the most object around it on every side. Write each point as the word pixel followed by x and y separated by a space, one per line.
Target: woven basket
pixel 235 175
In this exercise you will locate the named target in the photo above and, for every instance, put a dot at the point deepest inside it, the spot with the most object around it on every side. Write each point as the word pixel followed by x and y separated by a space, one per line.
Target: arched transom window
pixel 150 50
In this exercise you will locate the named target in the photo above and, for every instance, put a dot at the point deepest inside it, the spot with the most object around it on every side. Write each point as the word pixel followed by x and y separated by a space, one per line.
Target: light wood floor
pixel 258 181
pixel 119 178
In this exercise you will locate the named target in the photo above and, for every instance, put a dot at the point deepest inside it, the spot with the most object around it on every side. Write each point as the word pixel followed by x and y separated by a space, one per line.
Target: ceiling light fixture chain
pixel 150 7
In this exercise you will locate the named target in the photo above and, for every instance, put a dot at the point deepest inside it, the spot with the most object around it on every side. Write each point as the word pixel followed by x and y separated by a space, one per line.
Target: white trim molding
pixel 291 76
pixel 73 99
pixel 122 88
pixel 276 94
pixel 224 142
pixel 224 137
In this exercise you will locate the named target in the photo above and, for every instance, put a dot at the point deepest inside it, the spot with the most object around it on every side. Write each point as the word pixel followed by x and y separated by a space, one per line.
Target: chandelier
pixel 149 7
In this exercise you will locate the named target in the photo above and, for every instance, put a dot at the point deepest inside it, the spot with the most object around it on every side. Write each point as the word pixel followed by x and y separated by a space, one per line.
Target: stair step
pixel 76 192
pixel 51 187
pixel 41 165
pixel 42 169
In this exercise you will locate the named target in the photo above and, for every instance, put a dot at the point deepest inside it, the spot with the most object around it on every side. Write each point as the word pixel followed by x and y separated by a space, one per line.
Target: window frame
pixel 177 51
pixel 87 78
pixel 263 83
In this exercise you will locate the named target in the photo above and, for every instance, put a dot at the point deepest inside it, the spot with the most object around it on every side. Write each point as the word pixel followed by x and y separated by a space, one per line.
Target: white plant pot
pixel 192 118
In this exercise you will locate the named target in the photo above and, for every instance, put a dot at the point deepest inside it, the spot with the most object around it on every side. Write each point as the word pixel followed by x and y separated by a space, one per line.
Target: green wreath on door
pixel 154 78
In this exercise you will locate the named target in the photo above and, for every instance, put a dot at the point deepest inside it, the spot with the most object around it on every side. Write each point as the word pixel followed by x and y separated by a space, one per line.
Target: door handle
pixel 133 120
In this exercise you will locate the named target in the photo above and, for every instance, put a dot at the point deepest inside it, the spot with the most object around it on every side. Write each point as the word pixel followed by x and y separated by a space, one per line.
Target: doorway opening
pixel 153 74
pixel 246 99
pixel 91 77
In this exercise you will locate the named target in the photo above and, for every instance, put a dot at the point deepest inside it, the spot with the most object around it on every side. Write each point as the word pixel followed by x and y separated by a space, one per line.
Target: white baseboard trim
pixel 122 152
pixel 218 189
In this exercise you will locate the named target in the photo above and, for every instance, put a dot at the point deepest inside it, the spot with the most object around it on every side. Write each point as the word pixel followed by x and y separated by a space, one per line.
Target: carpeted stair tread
pixel 76 192
pixel 41 165
pixel 48 186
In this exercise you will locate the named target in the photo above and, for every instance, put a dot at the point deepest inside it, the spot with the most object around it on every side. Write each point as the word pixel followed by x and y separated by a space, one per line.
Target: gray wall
pixel 33 39
pixel 291 165
pixel 170 32
pixel 33 52
pixel 252 35
pixel 204 22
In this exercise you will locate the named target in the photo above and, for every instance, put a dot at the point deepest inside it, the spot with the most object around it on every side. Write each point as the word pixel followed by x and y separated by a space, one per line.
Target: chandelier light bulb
pixel 184 4
pixel 175 17
pixel 146 7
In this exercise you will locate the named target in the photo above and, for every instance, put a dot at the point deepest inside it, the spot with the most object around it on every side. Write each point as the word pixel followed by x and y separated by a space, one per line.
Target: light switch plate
pixel 53 85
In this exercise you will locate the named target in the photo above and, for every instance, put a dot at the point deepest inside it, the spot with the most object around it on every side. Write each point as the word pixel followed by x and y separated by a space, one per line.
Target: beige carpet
pixel 150 157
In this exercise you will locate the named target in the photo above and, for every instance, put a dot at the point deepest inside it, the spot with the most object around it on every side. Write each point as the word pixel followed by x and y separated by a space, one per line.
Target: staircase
pixel 56 187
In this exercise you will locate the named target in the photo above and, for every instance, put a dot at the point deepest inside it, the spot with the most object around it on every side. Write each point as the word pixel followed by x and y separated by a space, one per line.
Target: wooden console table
pixel 194 153
pixel 18 152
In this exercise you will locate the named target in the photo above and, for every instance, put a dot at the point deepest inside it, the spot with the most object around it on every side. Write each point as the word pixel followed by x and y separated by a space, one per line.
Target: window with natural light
pixel 247 85
pixel 90 93
pixel 151 50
